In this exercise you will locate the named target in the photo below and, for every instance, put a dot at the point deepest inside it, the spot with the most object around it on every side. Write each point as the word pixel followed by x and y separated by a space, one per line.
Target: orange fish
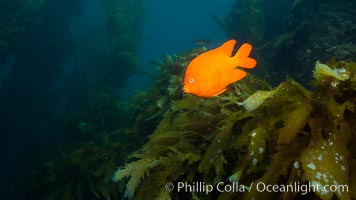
pixel 211 72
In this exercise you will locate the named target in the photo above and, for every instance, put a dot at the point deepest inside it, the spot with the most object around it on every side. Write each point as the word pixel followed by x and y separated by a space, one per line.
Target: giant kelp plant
pixel 92 141
pixel 124 28
pixel 15 17
pixel 252 134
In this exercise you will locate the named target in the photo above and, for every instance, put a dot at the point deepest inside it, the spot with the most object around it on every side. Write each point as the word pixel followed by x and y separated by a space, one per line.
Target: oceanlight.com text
pixel 202 187
pixel 302 188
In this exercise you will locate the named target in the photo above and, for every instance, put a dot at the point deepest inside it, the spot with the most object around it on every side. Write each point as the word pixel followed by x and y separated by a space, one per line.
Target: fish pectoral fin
pixel 236 74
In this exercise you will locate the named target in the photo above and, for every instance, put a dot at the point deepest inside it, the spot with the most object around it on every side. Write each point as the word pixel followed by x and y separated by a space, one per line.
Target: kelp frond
pixel 275 136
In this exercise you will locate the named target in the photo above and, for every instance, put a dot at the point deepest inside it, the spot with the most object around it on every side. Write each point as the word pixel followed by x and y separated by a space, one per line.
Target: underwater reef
pixel 253 133
pixel 314 30
pixel 291 40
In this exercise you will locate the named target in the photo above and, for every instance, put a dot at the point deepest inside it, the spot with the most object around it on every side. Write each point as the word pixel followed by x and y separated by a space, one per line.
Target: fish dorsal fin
pixel 241 56
pixel 226 48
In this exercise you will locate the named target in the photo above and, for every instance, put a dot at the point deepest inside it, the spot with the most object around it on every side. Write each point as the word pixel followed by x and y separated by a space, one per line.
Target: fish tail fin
pixel 242 58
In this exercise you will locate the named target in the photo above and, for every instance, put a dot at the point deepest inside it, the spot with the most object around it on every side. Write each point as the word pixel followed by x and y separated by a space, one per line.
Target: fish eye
pixel 191 80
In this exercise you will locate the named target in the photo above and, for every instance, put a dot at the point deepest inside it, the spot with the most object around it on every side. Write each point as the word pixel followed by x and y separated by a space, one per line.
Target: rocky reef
pixel 291 40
